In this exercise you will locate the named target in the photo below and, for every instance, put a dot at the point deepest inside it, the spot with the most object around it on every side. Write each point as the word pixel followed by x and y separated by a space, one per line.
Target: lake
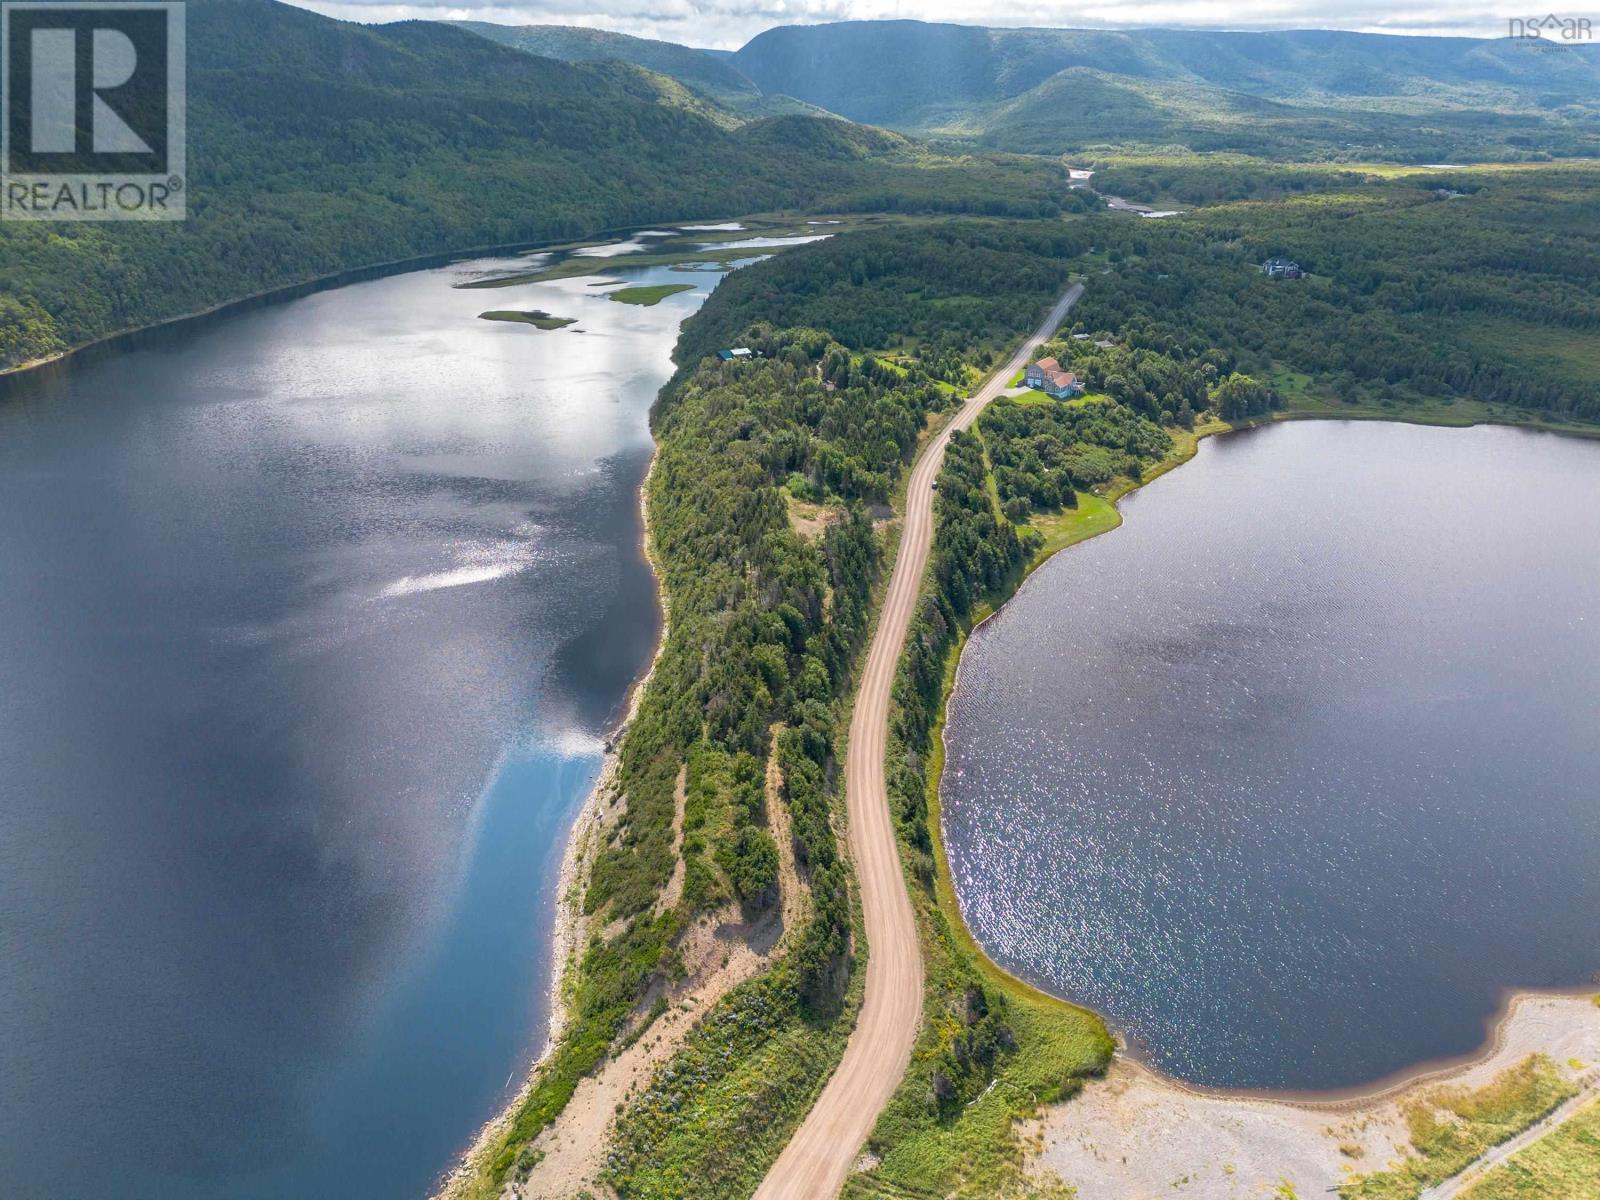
pixel 312 621
pixel 1296 773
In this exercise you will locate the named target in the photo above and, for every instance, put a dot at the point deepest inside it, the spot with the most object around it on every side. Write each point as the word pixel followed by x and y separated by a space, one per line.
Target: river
pixel 1293 776
pixel 312 620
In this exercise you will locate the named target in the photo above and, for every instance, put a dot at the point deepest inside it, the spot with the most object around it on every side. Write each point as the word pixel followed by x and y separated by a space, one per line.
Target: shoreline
pixel 1396 1085
pixel 569 925
pixel 119 340
pixel 1384 1089
pixel 1134 1131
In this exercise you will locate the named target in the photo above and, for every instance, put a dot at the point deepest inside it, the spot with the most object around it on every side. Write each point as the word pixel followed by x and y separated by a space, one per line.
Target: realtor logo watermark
pixel 92 111
pixel 1551 30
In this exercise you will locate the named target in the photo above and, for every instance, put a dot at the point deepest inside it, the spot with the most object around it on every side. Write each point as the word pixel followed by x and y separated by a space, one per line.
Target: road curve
pixel 819 1156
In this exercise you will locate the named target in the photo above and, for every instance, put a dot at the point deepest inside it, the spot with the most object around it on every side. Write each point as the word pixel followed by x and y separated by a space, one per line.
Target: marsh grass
pixel 648 295
pixel 1449 1127
pixel 1562 1165
pixel 536 317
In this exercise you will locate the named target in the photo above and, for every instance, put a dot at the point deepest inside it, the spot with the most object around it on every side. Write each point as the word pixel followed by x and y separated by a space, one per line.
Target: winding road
pixel 819 1156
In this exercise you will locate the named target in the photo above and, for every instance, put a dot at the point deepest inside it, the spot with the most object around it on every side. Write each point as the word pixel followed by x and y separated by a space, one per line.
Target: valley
pixel 551 650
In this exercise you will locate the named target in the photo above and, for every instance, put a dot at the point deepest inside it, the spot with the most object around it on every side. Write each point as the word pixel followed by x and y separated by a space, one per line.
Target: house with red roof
pixel 1047 376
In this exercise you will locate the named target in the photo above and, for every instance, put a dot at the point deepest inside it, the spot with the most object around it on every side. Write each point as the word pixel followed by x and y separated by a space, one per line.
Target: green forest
pixel 962 288
pixel 1287 94
pixel 1419 290
pixel 1301 94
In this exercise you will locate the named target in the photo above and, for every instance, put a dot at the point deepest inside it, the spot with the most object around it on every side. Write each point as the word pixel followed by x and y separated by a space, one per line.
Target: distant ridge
pixel 1288 94
pixel 570 43
pixel 1379 94
pixel 710 75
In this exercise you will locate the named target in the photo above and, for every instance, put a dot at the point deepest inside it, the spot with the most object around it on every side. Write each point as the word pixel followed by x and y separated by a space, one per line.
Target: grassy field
pixel 1451 1126
pixel 1573 352
pixel 1094 514
pixel 536 317
pixel 649 295
pixel 1562 1165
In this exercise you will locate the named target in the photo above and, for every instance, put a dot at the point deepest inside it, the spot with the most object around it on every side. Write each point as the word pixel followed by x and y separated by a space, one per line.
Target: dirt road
pixel 1458 1184
pixel 819 1156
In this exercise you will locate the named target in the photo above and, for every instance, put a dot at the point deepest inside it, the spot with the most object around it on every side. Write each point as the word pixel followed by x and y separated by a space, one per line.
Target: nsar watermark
pixel 1551 30
pixel 92 111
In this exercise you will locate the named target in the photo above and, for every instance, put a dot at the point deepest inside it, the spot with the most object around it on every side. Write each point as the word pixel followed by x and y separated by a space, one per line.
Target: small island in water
pixel 649 294
pixel 536 317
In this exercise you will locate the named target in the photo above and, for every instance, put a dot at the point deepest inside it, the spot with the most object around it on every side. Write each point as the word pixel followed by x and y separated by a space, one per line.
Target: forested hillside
pixel 768 616
pixel 1307 93
pixel 1432 288
pixel 959 289
pixel 317 146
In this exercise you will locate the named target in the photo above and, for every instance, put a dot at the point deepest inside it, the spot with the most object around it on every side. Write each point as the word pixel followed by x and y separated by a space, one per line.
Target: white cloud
pixel 725 24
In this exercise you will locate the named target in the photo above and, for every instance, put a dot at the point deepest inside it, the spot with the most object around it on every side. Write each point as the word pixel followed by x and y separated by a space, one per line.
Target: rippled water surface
pixel 1295 772
pixel 311 619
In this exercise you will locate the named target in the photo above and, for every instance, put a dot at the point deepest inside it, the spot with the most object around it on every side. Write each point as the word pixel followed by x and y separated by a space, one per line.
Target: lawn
pixel 1094 515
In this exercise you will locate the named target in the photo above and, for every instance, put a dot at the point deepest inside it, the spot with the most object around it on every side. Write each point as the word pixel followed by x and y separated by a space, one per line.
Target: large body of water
pixel 1296 772
pixel 311 621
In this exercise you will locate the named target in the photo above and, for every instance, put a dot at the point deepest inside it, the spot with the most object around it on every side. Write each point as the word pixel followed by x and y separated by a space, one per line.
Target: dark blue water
pixel 1293 774
pixel 311 621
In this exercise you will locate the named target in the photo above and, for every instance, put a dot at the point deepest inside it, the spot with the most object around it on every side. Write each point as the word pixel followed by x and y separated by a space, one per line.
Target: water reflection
pixel 1294 772
pixel 311 620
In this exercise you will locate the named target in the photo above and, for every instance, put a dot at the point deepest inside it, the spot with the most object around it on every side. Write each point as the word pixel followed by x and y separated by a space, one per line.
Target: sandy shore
pixel 1138 1134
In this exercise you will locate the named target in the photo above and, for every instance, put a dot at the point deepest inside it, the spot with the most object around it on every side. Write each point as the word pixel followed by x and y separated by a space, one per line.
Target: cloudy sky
pixel 728 24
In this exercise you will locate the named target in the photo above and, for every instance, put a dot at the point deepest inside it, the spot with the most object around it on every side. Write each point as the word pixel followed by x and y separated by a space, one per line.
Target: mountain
pixel 1278 92
pixel 318 146
pixel 1080 108
pixel 1299 94
pixel 717 77
pixel 709 75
